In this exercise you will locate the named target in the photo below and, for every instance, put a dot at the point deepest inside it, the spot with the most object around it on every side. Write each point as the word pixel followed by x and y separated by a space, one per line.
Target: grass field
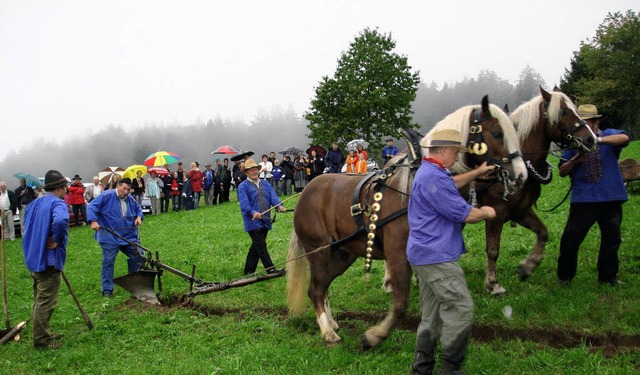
pixel 585 328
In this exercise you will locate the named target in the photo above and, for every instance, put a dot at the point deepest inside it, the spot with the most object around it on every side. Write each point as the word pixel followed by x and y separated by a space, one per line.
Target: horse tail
pixel 297 276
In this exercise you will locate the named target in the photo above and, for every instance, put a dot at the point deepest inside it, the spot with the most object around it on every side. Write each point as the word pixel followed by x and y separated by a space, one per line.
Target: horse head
pixel 564 125
pixel 490 137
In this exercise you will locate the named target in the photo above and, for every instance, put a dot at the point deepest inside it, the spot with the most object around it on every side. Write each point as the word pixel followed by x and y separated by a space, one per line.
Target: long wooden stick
pixel 280 204
pixel 75 298
pixel 4 279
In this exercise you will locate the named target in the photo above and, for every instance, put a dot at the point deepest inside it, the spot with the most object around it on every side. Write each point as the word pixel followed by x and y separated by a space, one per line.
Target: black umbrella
pixel 318 149
pixel 242 154
pixel 291 150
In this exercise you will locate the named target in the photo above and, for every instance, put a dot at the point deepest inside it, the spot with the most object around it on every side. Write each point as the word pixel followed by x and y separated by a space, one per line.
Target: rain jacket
pixel 76 193
pixel 106 210
pixel 43 218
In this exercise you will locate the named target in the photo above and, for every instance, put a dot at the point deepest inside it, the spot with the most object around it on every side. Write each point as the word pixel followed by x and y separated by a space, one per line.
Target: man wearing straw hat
pixel 44 243
pixel 257 197
pixel 436 215
pixel 597 195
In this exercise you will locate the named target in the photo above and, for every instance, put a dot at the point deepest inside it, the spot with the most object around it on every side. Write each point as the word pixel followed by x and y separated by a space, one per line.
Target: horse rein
pixel 570 142
pixel 477 146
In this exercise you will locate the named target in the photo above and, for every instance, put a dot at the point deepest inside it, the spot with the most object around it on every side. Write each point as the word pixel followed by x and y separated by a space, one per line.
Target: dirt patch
pixel 607 344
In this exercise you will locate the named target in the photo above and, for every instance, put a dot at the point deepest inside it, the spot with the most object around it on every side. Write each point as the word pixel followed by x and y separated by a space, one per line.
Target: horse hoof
pixel 497 290
pixel 331 344
pixel 523 274
pixel 331 340
pixel 364 344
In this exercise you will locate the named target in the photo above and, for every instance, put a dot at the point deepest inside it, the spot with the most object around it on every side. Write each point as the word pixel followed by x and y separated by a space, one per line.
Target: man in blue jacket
pixel 44 243
pixel 597 195
pixel 334 159
pixel 256 196
pixel 117 210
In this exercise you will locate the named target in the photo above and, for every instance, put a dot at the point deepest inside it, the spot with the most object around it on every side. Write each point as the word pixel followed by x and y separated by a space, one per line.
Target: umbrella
pixel 242 154
pixel 31 180
pixel 106 175
pixel 318 149
pixel 291 150
pixel 352 145
pixel 227 150
pixel 160 158
pixel 159 171
pixel 132 171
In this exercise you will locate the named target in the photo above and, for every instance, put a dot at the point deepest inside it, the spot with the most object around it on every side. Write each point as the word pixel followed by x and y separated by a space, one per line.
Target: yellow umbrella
pixel 132 171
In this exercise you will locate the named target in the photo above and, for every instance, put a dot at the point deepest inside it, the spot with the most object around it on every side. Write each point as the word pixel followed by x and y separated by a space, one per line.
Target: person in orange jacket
pixel 361 165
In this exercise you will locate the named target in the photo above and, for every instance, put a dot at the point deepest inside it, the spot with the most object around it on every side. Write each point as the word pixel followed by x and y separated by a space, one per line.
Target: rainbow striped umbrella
pixel 160 158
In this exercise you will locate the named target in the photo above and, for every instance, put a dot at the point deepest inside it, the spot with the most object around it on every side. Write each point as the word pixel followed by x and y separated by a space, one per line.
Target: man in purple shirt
pixel 436 215
pixel 597 195
pixel 44 243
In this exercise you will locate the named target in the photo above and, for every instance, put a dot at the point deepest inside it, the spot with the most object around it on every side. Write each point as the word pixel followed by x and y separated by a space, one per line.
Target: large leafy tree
pixel 369 96
pixel 606 71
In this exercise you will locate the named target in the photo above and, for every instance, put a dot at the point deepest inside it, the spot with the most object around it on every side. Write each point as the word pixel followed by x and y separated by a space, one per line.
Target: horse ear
pixel 485 104
pixel 506 108
pixel 556 89
pixel 545 94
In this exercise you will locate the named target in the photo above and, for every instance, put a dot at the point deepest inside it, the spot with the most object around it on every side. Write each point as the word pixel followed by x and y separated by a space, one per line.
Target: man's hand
pixel 489 211
pixel 138 221
pixel 282 208
pixel 95 226
pixel 51 244
pixel 484 168
pixel 257 216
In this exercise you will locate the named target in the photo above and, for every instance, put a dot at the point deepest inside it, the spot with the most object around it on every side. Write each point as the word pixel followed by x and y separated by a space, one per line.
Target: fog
pixel 271 130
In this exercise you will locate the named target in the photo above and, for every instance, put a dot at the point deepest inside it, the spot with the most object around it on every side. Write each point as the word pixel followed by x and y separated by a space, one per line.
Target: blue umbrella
pixel 31 180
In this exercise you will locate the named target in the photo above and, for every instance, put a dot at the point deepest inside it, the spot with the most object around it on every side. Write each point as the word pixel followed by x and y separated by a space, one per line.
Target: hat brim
pixel 587 117
pixel 56 184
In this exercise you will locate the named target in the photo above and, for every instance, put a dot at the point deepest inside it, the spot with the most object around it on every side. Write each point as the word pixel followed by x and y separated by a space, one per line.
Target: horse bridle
pixel 568 140
pixel 477 146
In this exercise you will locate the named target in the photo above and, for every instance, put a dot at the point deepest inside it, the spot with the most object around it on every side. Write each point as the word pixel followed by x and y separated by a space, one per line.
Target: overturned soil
pixel 607 344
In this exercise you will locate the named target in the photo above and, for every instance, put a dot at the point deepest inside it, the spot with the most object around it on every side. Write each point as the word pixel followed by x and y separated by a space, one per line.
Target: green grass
pixel 244 330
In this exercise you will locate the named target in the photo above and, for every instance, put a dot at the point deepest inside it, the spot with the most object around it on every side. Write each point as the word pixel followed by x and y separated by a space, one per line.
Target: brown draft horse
pixel 550 117
pixel 326 239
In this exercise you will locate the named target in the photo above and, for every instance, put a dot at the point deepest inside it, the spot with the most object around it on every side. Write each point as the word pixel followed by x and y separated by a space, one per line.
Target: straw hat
pixel 444 138
pixel 250 164
pixel 587 111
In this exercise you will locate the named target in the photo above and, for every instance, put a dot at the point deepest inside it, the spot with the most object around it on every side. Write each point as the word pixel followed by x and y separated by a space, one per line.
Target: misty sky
pixel 70 67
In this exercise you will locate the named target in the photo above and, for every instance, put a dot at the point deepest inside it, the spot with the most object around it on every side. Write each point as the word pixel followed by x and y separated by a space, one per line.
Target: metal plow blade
pixel 140 284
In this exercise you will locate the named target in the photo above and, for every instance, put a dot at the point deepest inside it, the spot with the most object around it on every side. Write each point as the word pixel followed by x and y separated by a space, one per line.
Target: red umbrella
pixel 227 150
pixel 159 171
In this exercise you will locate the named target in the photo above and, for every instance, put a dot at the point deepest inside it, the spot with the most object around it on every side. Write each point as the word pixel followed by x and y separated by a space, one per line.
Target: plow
pixel 142 284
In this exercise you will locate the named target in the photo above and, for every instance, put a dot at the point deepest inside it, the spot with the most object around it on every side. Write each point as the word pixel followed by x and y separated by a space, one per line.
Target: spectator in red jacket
pixel 76 200
pixel 195 177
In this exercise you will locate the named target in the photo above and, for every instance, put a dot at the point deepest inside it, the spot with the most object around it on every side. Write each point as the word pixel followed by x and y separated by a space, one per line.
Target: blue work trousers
pixel 109 252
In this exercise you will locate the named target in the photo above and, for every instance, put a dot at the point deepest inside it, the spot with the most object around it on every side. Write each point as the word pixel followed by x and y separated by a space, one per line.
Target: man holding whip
pixel 256 196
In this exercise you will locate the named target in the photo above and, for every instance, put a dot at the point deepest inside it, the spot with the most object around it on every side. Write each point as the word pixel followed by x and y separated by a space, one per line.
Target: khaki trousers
pixel 46 285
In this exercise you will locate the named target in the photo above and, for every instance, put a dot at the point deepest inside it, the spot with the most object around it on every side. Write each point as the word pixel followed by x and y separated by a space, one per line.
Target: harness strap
pixel 356 207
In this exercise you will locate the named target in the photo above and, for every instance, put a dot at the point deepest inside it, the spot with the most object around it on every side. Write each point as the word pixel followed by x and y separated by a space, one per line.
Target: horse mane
pixel 527 115
pixel 459 120
pixel 402 174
